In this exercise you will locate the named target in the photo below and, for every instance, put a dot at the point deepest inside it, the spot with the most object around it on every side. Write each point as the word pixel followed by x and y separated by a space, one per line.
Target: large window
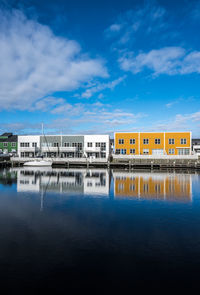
pixel 145 141
pixel 171 141
pixel 132 141
pixel 13 144
pixel 183 141
pixel 183 151
pixel 117 152
pixel 56 144
pixel 34 144
pixel 89 144
pixel 157 141
pixel 5 144
pixel 121 141
pixel 132 151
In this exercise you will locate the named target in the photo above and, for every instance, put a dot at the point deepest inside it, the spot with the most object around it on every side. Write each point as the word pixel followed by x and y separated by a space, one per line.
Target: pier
pixel 126 162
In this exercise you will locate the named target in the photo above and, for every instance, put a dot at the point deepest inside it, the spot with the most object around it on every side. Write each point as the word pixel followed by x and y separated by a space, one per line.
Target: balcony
pixel 29 149
pixel 61 149
pixel 92 149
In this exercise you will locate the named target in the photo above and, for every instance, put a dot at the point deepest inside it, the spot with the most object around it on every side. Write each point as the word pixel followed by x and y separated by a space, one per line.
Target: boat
pixel 39 163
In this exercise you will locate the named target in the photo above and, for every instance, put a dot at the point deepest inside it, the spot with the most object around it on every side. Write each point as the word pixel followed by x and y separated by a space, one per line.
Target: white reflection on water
pixel 64 181
pixel 152 185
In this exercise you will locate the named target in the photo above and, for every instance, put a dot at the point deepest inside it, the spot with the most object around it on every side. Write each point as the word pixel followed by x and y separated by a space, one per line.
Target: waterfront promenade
pixel 130 162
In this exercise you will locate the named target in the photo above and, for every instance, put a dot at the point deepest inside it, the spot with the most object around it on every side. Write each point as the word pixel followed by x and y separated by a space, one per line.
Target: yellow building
pixel 153 143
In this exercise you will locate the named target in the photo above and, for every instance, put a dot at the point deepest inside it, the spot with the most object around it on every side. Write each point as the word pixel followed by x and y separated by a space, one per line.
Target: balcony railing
pixel 29 149
pixel 93 149
pixel 59 149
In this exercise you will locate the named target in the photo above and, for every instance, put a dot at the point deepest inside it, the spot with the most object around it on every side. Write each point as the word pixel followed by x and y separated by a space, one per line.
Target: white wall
pixel 30 139
pixel 97 138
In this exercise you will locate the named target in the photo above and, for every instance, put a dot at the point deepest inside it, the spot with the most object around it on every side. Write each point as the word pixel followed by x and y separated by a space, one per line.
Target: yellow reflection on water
pixel 161 186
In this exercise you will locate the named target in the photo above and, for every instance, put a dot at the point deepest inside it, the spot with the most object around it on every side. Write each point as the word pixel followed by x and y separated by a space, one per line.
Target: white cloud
pixel 143 18
pixel 81 118
pixel 115 27
pixel 102 86
pixel 168 60
pixel 35 63
pixel 181 122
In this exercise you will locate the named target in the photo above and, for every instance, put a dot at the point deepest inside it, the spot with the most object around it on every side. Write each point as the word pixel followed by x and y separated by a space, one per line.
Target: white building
pixel 97 146
pixel 64 146
pixel 28 146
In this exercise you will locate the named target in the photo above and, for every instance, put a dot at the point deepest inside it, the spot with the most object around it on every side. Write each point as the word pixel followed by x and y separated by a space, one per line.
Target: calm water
pixel 72 229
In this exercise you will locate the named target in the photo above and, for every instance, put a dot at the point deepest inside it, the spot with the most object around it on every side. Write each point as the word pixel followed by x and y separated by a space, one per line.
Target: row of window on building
pixel 13 144
pixel 102 145
pixel 146 151
pixel 27 144
pixel 156 141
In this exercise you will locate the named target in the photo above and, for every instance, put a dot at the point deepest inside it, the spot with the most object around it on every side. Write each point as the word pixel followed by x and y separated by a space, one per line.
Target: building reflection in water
pixel 161 186
pixel 94 182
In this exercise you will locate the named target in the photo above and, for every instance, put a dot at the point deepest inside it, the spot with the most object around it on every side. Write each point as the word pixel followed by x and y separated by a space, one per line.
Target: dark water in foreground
pixel 83 229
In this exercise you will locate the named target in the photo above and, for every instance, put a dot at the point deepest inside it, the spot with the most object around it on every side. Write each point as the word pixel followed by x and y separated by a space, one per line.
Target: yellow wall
pixel 127 145
pixel 164 141
pixel 177 143
pixel 151 145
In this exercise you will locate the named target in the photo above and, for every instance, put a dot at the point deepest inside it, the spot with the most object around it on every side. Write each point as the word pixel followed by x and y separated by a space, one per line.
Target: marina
pixel 98 222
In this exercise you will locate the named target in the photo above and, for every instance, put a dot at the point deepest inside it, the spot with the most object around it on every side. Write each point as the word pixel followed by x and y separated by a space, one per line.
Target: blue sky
pixel 99 66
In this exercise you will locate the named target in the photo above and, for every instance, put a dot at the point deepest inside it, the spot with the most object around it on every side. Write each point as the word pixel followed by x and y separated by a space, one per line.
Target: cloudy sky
pixel 85 66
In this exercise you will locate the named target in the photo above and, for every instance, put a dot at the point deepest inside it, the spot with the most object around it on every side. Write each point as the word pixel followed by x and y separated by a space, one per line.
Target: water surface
pixel 72 229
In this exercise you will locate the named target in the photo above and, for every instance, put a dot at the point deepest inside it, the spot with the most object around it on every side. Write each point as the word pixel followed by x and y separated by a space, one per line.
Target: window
pixel 13 144
pixel 132 141
pixel 132 187
pixel 74 144
pixel 183 141
pixel 103 146
pixel 157 141
pixel 22 155
pixel 157 188
pixel 121 141
pixel 34 144
pixel 117 152
pixel 145 141
pixel 120 186
pixel 66 144
pixel 171 141
pixel 89 144
pixel 55 144
pixel 145 151
pixel 98 144
pixel 5 144
pixel 183 151
pixel 171 151
pixel 123 151
pixel 132 151
pixel 24 144
pixel 145 187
